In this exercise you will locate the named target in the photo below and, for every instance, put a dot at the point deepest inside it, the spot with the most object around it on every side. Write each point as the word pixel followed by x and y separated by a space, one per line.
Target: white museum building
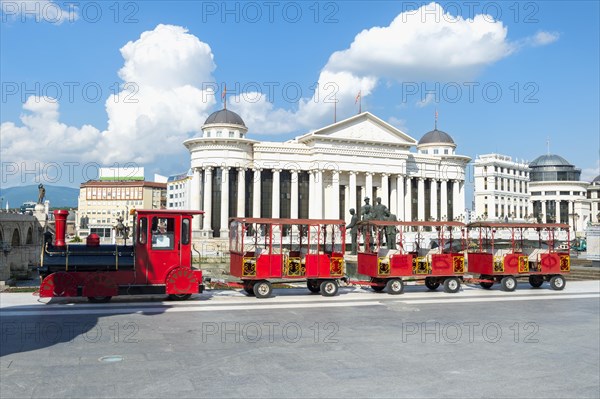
pixel 323 173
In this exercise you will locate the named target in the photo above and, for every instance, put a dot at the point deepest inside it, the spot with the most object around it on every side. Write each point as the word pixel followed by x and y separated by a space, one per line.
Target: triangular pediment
pixel 365 128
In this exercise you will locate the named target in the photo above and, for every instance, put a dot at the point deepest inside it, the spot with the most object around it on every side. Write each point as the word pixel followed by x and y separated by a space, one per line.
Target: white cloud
pixel 543 38
pixel 42 136
pixel 426 101
pixel 39 11
pixel 150 124
pixel 422 45
pixel 167 57
pixel 589 174
pixel 166 65
pixel 417 45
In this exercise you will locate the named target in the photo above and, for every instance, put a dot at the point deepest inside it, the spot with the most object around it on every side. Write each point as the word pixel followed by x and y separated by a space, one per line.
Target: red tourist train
pixel 265 251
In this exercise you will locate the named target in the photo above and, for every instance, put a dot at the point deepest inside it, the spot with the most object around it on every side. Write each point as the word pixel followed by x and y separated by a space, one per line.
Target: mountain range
pixel 59 196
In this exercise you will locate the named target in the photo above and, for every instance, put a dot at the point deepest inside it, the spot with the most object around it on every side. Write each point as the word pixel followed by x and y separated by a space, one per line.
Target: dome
pixel 596 181
pixel 549 160
pixel 225 116
pixel 436 137
pixel 552 167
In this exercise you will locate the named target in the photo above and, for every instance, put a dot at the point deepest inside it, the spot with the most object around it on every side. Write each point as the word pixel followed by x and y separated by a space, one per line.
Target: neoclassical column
pixel 456 211
pixel 385 187
pixel 400 197
pixel 433 209
pixel 461 196
pixel 393 197
pixel 256 180
pixel 408 200
pixel 207 225
pixel 421 199
pixel 369 186
pixel 224 201
pixel 294 195
pixel 196 205
pixel 571 208
pixel 444 199
pixel 241 192
pixel 311 195
pixel 334 209
pixel 352 184
pixel 557 211
pixel 275 199
pixel 318 202
pixel 544 215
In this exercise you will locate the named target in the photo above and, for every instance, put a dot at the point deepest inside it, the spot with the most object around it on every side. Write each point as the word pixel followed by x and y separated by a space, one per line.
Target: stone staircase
pixel 579 273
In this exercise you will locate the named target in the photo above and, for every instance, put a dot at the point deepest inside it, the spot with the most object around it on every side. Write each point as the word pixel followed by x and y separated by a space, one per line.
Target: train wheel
pixel 99 299
pixel 180 297
pixel 394 286
pixel 485 284
pixel 431 283
pixel 558 282
pixel 451 285
pixel 536 281
pixel 249 288
pixel 313 286
pixel 508 283
pixel 263 289
pixel 378 288
pixel 329 288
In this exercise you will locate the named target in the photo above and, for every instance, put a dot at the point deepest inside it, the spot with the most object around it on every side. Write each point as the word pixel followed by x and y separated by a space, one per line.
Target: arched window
pixel 16 240
pixel 29 236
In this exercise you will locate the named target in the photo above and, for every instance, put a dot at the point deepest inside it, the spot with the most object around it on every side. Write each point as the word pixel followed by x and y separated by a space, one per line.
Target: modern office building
pixel 501 188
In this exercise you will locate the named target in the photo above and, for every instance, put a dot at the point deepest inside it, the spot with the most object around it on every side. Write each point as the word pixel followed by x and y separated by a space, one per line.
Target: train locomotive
pixel 265 251
pixel 158 261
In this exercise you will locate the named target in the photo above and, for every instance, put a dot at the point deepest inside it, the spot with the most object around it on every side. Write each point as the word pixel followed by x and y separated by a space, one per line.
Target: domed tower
pixel 221 156
pixel 436 142
pixel 224 124
pixel 557 193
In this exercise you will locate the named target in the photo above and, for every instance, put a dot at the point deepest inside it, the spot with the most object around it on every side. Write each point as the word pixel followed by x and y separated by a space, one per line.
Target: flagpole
pixel 225 96
pixel 334 111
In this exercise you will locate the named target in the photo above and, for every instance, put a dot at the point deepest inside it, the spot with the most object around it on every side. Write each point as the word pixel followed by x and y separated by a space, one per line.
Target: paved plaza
pixel 477 343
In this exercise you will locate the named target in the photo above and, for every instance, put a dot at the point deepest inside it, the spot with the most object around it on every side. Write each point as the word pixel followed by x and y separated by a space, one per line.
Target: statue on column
pixel 353 230
pixel 41 193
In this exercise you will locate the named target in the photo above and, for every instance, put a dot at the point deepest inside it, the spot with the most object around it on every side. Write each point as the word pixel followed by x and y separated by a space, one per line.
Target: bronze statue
pixel 41 193
pixel 390 231
pixel 353 230
pixel 379 210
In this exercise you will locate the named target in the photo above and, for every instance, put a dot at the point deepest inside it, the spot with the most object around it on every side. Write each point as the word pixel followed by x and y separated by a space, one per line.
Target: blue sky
pixel 546 66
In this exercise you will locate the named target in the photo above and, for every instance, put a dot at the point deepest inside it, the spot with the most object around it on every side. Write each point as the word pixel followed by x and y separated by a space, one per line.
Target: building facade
pixel 501 189
pixel 322 174
pixel 100 203
pixel 557 193
pixel 178 191
pixel 547 190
